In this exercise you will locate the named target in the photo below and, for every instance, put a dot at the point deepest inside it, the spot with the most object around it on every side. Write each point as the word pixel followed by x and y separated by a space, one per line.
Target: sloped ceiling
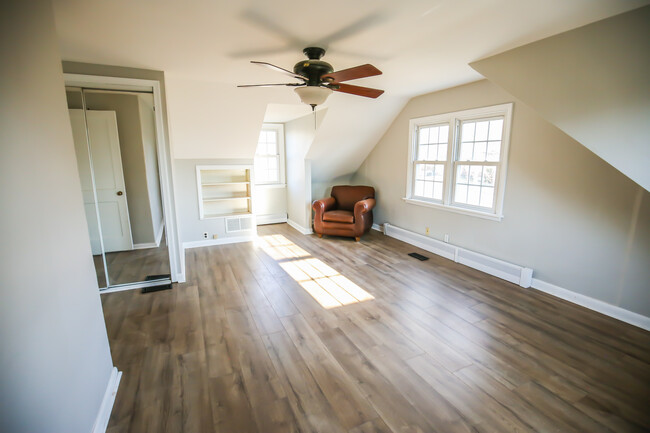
pixel 592 83
pixel 204 47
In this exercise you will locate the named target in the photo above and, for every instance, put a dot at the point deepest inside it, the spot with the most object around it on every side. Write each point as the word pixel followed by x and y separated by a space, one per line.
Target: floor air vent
pixel 420 257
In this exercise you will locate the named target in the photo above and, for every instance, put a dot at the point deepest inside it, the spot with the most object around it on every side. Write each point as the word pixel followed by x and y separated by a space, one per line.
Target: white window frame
pixel 279 129
pixel 454 120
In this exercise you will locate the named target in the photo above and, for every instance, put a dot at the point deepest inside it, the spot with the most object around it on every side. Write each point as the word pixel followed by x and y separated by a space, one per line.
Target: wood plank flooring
pixel 243 346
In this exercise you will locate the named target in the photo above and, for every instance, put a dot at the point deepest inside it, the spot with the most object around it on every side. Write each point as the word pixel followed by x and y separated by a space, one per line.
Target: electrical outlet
pixel 215 236
pixel 205 235
pixel 427 231
pixel 446 238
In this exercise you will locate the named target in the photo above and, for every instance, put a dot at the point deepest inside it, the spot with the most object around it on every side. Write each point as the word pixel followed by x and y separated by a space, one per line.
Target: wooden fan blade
pixel 271 85
pixel 279 69
pixel 359 91
pixel 362 71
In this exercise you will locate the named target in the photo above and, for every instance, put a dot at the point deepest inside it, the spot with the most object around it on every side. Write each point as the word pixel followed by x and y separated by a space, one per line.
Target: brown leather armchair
pixel 348 212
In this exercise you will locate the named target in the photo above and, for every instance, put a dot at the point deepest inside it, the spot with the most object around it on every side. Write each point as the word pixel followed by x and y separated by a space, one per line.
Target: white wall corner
pixel 599 306
pixel 104 414
pixel 301 229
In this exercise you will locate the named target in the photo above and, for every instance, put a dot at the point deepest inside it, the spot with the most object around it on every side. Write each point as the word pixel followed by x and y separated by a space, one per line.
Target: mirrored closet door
pixel 115 143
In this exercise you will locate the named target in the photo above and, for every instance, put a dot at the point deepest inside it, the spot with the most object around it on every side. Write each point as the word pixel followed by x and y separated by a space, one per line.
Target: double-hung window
pixel 269 156
pixel 458 161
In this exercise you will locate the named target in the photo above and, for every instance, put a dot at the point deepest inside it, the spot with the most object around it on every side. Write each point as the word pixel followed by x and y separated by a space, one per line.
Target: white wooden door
pixel 109 178
pixel 83 166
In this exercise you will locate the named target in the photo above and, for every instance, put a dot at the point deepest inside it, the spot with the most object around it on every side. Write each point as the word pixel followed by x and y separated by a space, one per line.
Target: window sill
pixel 270 185
pixel 484 215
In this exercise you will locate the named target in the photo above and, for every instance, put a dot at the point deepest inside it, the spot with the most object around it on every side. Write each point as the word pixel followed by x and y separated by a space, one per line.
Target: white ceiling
pixel 421 46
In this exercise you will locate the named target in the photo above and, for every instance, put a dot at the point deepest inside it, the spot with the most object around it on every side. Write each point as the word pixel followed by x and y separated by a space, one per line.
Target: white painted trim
pixel 101 422
pixel 437 247
pixel 420 241
pixel 599 306
pixel 463 211
pixel 145 245
pixel 220 241
pixel 271 219
pixel 379 228
pixel 301 229
pixel 133 286
pixel 452 119
pixel 279 130
pixel 499 268
pixel 164 150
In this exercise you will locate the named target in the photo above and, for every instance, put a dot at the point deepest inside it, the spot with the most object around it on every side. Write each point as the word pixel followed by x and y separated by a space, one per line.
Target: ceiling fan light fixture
pixel 313 95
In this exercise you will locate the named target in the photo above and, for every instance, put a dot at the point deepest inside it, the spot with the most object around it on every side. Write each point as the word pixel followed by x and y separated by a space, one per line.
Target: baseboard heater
pixel 507 271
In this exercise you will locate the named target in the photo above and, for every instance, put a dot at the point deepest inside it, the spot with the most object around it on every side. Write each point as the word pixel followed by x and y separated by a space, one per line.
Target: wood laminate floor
pixel 133 265
pixel 399 346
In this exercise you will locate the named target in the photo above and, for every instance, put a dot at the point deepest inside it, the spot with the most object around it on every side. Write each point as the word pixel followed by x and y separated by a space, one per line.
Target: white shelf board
pixel 221 215
pixel 247 197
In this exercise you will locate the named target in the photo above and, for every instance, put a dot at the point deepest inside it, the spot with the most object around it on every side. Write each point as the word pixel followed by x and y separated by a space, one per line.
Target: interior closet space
pixel 117 158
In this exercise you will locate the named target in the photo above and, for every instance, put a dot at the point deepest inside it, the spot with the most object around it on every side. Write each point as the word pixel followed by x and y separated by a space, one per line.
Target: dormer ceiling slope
pixel 204 48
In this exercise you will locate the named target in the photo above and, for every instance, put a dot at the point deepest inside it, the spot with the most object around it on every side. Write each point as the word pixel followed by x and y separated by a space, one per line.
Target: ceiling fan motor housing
pixel 313 68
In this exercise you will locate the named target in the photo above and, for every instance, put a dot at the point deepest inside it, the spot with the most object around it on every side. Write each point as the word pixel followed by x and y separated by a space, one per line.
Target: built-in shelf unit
pixel 224 190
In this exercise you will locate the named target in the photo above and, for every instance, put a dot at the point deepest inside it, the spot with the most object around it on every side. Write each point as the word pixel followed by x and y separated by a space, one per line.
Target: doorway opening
pixel 122 159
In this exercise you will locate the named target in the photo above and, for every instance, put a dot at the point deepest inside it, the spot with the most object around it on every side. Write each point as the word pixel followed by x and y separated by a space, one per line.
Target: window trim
pixel 279 129
pixel 454 119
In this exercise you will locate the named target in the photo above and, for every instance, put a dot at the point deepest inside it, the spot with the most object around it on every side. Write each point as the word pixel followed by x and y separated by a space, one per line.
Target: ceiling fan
pixel 318 79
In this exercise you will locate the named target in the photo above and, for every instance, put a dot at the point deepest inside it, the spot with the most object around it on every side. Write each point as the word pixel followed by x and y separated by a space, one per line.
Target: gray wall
pixel 592 83
pixel 299 135
pixel 573 218
pixel 190 225
pixel 55 360
pixel 129 129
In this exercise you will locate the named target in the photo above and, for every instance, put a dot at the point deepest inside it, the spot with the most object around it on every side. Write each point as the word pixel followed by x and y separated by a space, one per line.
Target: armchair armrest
pixel 363 206
pixel 322 206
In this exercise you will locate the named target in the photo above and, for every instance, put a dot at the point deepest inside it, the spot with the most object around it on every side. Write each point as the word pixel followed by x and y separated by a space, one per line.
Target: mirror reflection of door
pixel 117 154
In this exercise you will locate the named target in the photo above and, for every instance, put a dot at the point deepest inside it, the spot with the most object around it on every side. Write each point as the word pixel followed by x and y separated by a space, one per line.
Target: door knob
pixel 120 193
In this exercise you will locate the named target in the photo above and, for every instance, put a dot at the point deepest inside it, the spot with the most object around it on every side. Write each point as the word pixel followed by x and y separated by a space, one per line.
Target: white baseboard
pixel 271 219
pixel 379 228
pixel 156 244
pixel 145 245
pixel 610 310
pixel 101 422
pixel 507 271
pixel 301 229
pixel 220 241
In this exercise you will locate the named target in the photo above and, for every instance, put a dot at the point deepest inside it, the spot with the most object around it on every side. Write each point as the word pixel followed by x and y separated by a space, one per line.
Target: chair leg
pixel 320 235
pixel 357 239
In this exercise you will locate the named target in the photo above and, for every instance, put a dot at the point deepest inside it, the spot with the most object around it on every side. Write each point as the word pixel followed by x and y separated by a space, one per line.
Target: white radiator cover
pixel 516 274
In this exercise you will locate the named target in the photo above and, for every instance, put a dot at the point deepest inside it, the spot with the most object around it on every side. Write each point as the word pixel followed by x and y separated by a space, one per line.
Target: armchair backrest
pixel 346 196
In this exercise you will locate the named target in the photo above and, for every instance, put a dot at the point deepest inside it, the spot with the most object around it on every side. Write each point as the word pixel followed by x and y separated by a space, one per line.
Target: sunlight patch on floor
pixel 324 283
pixel 279 247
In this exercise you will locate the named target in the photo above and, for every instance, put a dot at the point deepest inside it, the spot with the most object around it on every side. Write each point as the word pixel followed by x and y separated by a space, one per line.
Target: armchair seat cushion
pixel 339 216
